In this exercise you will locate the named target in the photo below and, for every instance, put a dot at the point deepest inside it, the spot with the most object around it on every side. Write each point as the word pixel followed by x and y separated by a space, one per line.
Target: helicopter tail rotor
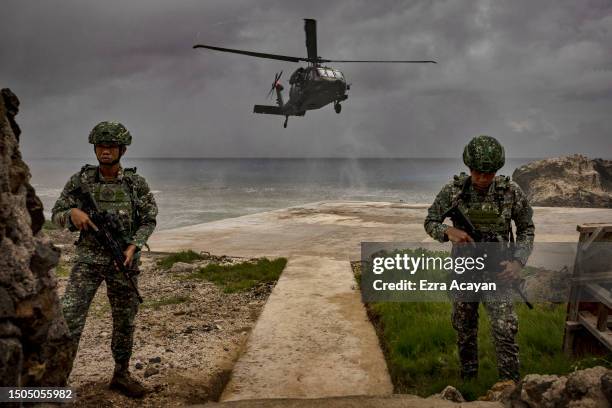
pixel 275 84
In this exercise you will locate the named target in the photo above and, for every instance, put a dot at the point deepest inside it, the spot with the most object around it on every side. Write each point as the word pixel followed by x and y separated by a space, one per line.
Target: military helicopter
pixel 312 87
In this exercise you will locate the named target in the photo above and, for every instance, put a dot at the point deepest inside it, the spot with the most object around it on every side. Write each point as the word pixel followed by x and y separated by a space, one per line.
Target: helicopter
pixel 312 87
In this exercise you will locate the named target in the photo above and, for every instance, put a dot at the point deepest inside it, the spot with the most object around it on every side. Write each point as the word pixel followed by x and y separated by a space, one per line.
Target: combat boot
pixel 126 384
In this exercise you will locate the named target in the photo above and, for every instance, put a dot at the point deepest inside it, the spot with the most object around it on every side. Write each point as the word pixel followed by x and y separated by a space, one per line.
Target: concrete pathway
pixel 313 339
pixel 392 401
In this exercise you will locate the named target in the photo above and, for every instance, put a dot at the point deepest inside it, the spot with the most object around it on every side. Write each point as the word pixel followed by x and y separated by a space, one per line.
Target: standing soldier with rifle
pixel 120 201
pixel 490 203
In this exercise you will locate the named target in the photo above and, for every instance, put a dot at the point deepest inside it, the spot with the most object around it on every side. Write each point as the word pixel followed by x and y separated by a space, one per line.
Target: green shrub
pixel 242 276
pixel 183 256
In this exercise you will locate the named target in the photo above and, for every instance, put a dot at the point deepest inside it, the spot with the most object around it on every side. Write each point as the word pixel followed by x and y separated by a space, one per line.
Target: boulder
pixel 500 391
pixel 450 393
pixel 35 346
pixel 581 389
pixel 181 267
pixel 569 181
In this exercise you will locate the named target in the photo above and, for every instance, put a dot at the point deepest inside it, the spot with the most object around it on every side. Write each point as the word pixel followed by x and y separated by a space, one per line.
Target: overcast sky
pixel 535 74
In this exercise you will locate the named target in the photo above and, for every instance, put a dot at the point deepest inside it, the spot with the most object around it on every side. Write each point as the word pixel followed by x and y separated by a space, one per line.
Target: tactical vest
pixel 117 197
pixel 490 213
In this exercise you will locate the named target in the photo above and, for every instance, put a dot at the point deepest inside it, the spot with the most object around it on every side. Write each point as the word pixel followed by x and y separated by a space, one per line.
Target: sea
pixel 191 191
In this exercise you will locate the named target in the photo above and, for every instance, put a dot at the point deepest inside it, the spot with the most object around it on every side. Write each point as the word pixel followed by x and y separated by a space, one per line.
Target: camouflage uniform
pixel 129 198
pixel 490 212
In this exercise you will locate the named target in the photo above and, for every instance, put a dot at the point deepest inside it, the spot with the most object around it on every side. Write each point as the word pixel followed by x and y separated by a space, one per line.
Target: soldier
pixel 490 202
pixel 121 192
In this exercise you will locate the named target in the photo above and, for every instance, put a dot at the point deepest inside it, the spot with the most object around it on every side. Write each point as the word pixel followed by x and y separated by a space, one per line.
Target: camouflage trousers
pixel 504 326
pixel 82 286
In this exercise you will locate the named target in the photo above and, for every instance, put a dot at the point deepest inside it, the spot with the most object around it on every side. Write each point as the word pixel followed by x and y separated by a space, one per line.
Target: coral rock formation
pixel 34 339
pixel 570 181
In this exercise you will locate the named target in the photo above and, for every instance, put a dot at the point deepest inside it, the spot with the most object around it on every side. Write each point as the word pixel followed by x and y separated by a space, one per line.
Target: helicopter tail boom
pixel 275 110
pixel 268 109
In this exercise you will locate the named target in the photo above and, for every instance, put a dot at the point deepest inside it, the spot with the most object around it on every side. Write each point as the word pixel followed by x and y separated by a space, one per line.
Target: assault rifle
pixel 107 223
pixel 501 253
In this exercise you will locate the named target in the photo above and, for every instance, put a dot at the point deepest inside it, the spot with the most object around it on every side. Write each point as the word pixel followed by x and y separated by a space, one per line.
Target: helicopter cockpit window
pixel 326 73
pixel 329 73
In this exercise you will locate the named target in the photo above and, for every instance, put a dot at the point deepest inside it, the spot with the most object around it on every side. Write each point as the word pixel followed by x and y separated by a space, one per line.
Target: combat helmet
pixel 484 154
pixel 111 133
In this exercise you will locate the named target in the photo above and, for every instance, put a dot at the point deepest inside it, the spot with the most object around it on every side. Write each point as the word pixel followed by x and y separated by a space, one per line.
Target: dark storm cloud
pixel 537 75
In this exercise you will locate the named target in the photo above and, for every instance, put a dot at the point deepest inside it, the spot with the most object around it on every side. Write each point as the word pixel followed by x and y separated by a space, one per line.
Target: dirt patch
pixel 350 215
pixel 188 336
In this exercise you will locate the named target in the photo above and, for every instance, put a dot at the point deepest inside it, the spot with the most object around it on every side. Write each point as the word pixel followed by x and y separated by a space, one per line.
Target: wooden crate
pixel 587 325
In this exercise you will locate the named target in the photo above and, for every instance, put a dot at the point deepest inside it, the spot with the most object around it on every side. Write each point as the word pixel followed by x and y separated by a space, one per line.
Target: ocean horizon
pixel 191 191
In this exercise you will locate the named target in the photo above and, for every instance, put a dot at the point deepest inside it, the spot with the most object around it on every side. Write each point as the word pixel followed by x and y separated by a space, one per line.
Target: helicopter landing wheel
pixel 286 120
pixel 337 107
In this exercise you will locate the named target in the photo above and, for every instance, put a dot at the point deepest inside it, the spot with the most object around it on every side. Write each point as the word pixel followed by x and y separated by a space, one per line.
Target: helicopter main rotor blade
pixel 310 27
pixel 253 54
pixel 382 61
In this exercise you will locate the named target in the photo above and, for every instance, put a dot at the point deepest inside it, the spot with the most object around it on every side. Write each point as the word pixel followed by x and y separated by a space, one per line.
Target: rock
pixel 585 388
pixel 181 267
pixel 569 181
pixel 586 383
pixel 150 371
pixel 534 386
pixel 35 347
pixel 500 391
pixel 450 393
pixel 606 386
pixel 543 391
pixel 155 360
pixel 201 264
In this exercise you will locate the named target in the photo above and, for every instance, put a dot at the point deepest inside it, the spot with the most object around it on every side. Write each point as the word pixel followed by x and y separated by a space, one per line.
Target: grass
pixel 242 276
pixel 182 256
pixel 172 300
pixel 421 351
pixel 420 346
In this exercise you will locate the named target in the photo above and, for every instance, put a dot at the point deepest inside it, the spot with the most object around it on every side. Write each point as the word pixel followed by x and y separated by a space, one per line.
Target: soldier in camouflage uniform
pixel 490 202
pixel 121 192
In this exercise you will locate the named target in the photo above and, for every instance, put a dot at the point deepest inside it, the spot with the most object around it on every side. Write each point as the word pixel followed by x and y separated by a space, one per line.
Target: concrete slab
pixel 336 229
pixel 393 401
pixel 313 339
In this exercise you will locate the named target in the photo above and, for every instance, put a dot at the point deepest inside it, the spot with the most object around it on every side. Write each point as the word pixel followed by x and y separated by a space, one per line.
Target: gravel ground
pixel 188 335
